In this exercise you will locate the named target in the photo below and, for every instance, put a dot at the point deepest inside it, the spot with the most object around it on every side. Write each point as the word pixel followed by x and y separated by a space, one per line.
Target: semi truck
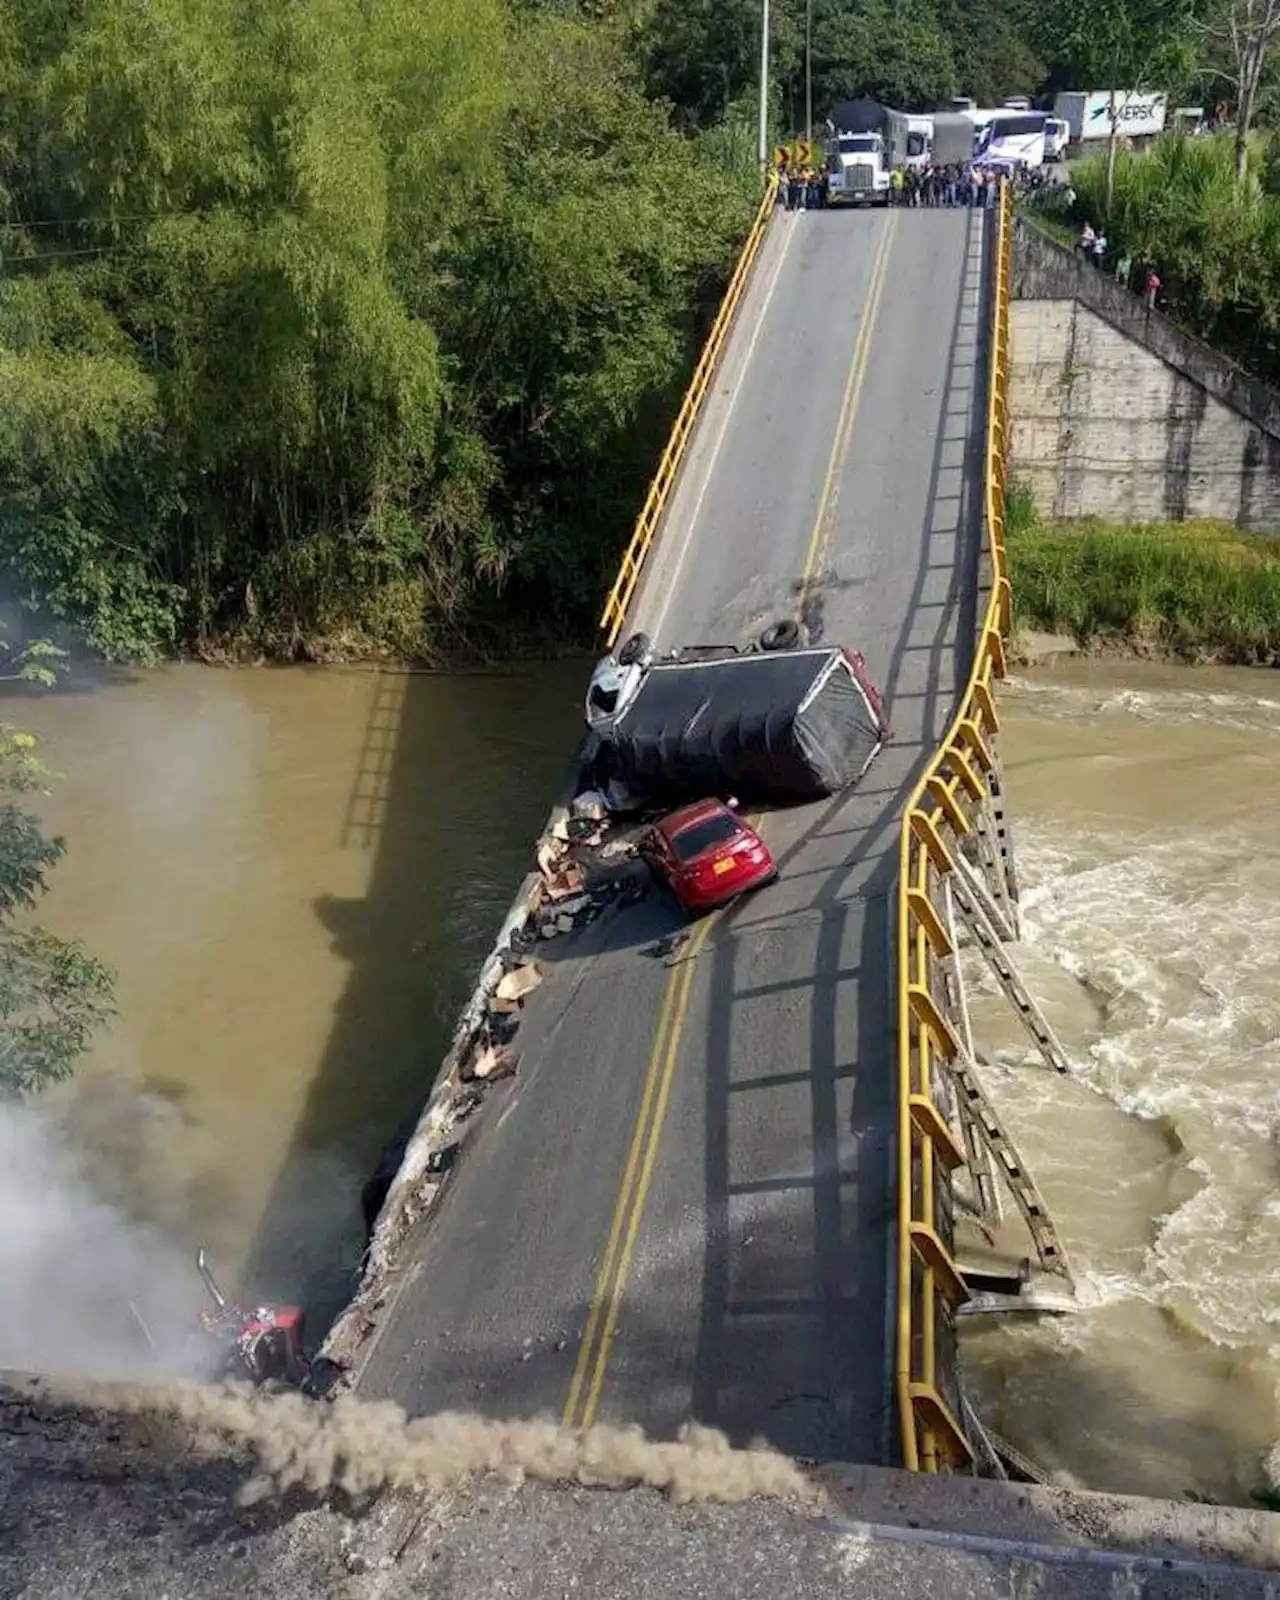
pixel 1092 114
pixel 777 723
pixel 868 140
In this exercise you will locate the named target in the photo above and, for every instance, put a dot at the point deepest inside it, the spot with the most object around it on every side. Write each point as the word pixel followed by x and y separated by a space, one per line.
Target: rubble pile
pixel 585 866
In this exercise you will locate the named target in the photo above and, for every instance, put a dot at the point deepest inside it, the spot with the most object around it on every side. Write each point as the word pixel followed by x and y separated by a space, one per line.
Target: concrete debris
pixel 519 982
pixel 550 850
pixel 559 884
pixel 560 828
pixel 494 1062
pixel 592 805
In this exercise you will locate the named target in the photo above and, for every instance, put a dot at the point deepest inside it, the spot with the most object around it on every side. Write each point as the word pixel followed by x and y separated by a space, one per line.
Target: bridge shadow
pixel 455 781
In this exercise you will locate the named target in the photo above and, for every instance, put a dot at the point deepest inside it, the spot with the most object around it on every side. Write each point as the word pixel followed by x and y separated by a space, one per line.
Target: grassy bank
pixel 1197 591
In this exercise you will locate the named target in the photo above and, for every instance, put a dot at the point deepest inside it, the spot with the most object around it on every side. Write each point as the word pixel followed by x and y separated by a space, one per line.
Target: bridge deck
pixel 714 1127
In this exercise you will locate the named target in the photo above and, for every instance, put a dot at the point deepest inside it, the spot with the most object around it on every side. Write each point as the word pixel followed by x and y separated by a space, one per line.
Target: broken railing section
pixel 989 916
pixel 584 866
pixel 963 889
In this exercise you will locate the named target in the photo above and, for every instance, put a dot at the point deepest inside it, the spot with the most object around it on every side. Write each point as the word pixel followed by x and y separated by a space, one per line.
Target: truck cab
pixel 1057 136
pixel 859 169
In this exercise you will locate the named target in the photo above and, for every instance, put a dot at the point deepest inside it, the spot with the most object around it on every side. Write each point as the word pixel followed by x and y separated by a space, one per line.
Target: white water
pixel 1148 832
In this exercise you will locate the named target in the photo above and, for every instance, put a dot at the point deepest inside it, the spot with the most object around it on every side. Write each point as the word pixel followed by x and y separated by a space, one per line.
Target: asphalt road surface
pixel 683 1206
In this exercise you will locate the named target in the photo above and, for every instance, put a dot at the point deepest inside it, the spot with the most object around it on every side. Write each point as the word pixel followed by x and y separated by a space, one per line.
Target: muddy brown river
pixel 296 874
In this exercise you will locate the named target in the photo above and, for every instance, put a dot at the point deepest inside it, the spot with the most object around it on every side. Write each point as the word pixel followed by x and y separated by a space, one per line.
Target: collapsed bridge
pixel 723 1182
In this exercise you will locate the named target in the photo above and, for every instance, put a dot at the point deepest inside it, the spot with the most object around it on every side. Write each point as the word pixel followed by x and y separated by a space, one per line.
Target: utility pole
pixel 808 69
pixel 764 86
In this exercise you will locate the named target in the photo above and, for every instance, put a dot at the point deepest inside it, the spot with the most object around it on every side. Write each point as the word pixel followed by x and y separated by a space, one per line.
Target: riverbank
pixel 1193 591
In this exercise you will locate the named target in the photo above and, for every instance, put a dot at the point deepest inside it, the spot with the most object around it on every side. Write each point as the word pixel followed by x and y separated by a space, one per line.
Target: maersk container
pixel 1139 114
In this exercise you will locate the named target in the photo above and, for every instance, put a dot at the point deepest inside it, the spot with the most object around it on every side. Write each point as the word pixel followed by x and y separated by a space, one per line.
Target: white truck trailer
pixel 1092 114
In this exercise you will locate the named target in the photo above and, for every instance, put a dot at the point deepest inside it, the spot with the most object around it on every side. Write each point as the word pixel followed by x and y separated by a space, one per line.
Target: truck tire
pixel 634 650
pixel 785 634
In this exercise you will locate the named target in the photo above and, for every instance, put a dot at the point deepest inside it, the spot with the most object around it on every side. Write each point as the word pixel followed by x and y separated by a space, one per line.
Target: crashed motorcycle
pixel 263 1343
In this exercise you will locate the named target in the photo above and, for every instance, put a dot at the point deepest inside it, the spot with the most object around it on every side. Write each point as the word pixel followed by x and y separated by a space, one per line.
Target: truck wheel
pixel 786 634
pixel 634 651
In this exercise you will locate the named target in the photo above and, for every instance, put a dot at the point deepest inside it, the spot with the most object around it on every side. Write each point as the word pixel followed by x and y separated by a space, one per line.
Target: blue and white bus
pixel 1008 138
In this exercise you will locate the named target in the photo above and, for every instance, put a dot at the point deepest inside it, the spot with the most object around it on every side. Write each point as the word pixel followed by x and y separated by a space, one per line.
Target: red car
pixel 708 854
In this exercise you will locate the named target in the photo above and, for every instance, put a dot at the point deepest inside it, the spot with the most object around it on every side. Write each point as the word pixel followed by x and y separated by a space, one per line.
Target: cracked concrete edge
pixel 1035 1515
pixel 414 1191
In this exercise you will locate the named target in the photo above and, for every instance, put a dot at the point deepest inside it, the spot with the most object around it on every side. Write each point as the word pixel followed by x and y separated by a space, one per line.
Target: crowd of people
pixel 1093 247
pixel 966 184
pixel 803 188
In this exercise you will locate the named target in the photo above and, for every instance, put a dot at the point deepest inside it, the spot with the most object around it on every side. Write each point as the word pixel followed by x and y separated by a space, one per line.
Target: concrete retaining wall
pixel 1119 414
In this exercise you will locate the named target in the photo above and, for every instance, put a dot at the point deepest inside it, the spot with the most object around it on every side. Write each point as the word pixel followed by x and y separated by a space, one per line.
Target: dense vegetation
pixel 1215 242
pixel 328 326
pixel 53 995
pixel 1196 590
pixel 324 321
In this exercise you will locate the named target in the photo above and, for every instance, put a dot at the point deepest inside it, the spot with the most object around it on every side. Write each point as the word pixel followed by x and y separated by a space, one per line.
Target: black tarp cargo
pixel 777 727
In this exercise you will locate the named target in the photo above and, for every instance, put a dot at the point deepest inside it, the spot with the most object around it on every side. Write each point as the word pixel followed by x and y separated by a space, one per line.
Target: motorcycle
pixel 263 1343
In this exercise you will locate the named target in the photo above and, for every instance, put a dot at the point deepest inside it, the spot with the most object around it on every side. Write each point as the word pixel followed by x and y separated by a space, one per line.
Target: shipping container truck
pixel 1091 114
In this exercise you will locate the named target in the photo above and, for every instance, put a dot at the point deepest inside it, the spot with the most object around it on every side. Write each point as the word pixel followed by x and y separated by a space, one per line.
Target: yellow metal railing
pixel 624 585
pixel 938 815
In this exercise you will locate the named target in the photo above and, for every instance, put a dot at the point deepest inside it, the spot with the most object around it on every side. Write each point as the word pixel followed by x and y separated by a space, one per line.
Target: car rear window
pixel 700 836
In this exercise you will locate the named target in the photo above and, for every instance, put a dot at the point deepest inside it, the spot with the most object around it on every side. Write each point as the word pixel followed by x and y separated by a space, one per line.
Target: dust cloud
pixel 359 1447
pixel 90 1287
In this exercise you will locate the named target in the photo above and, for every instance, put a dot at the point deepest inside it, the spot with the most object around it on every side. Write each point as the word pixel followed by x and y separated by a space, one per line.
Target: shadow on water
pixel 454 782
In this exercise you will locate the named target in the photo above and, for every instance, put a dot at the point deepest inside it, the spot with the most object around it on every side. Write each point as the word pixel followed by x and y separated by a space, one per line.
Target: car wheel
pixel 786 634
pixel 634 651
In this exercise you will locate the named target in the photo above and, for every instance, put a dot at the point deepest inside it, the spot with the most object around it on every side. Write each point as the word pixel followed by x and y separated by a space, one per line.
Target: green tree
pixel 1241 37
pixel 329 320
pixel 701 55
pixel 1119 45
pixel 894 51
pixel 53 996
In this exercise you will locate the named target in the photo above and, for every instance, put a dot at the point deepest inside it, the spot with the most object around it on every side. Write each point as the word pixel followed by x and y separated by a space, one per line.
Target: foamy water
pixel 1149 850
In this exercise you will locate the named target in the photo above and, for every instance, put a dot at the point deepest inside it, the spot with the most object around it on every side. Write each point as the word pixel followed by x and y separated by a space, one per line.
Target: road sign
pixel 804 153
pixel 781 156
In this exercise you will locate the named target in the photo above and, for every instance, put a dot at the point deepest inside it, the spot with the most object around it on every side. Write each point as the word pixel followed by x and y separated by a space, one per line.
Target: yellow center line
pixel 624 1193
pixel 821 534
pixel 690 966
pixel 591 1366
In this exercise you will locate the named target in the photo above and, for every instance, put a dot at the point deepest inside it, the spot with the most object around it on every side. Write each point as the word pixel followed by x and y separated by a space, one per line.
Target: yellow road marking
pixel 601 1328
pixel 848 407
pixel 624 1194
pixel 646 1171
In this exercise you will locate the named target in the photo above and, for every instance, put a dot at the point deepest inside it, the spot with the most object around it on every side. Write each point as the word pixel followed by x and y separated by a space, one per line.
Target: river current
pixel 297 872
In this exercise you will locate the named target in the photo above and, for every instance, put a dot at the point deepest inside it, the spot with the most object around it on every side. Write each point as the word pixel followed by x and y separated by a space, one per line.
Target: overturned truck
pixel 774 727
